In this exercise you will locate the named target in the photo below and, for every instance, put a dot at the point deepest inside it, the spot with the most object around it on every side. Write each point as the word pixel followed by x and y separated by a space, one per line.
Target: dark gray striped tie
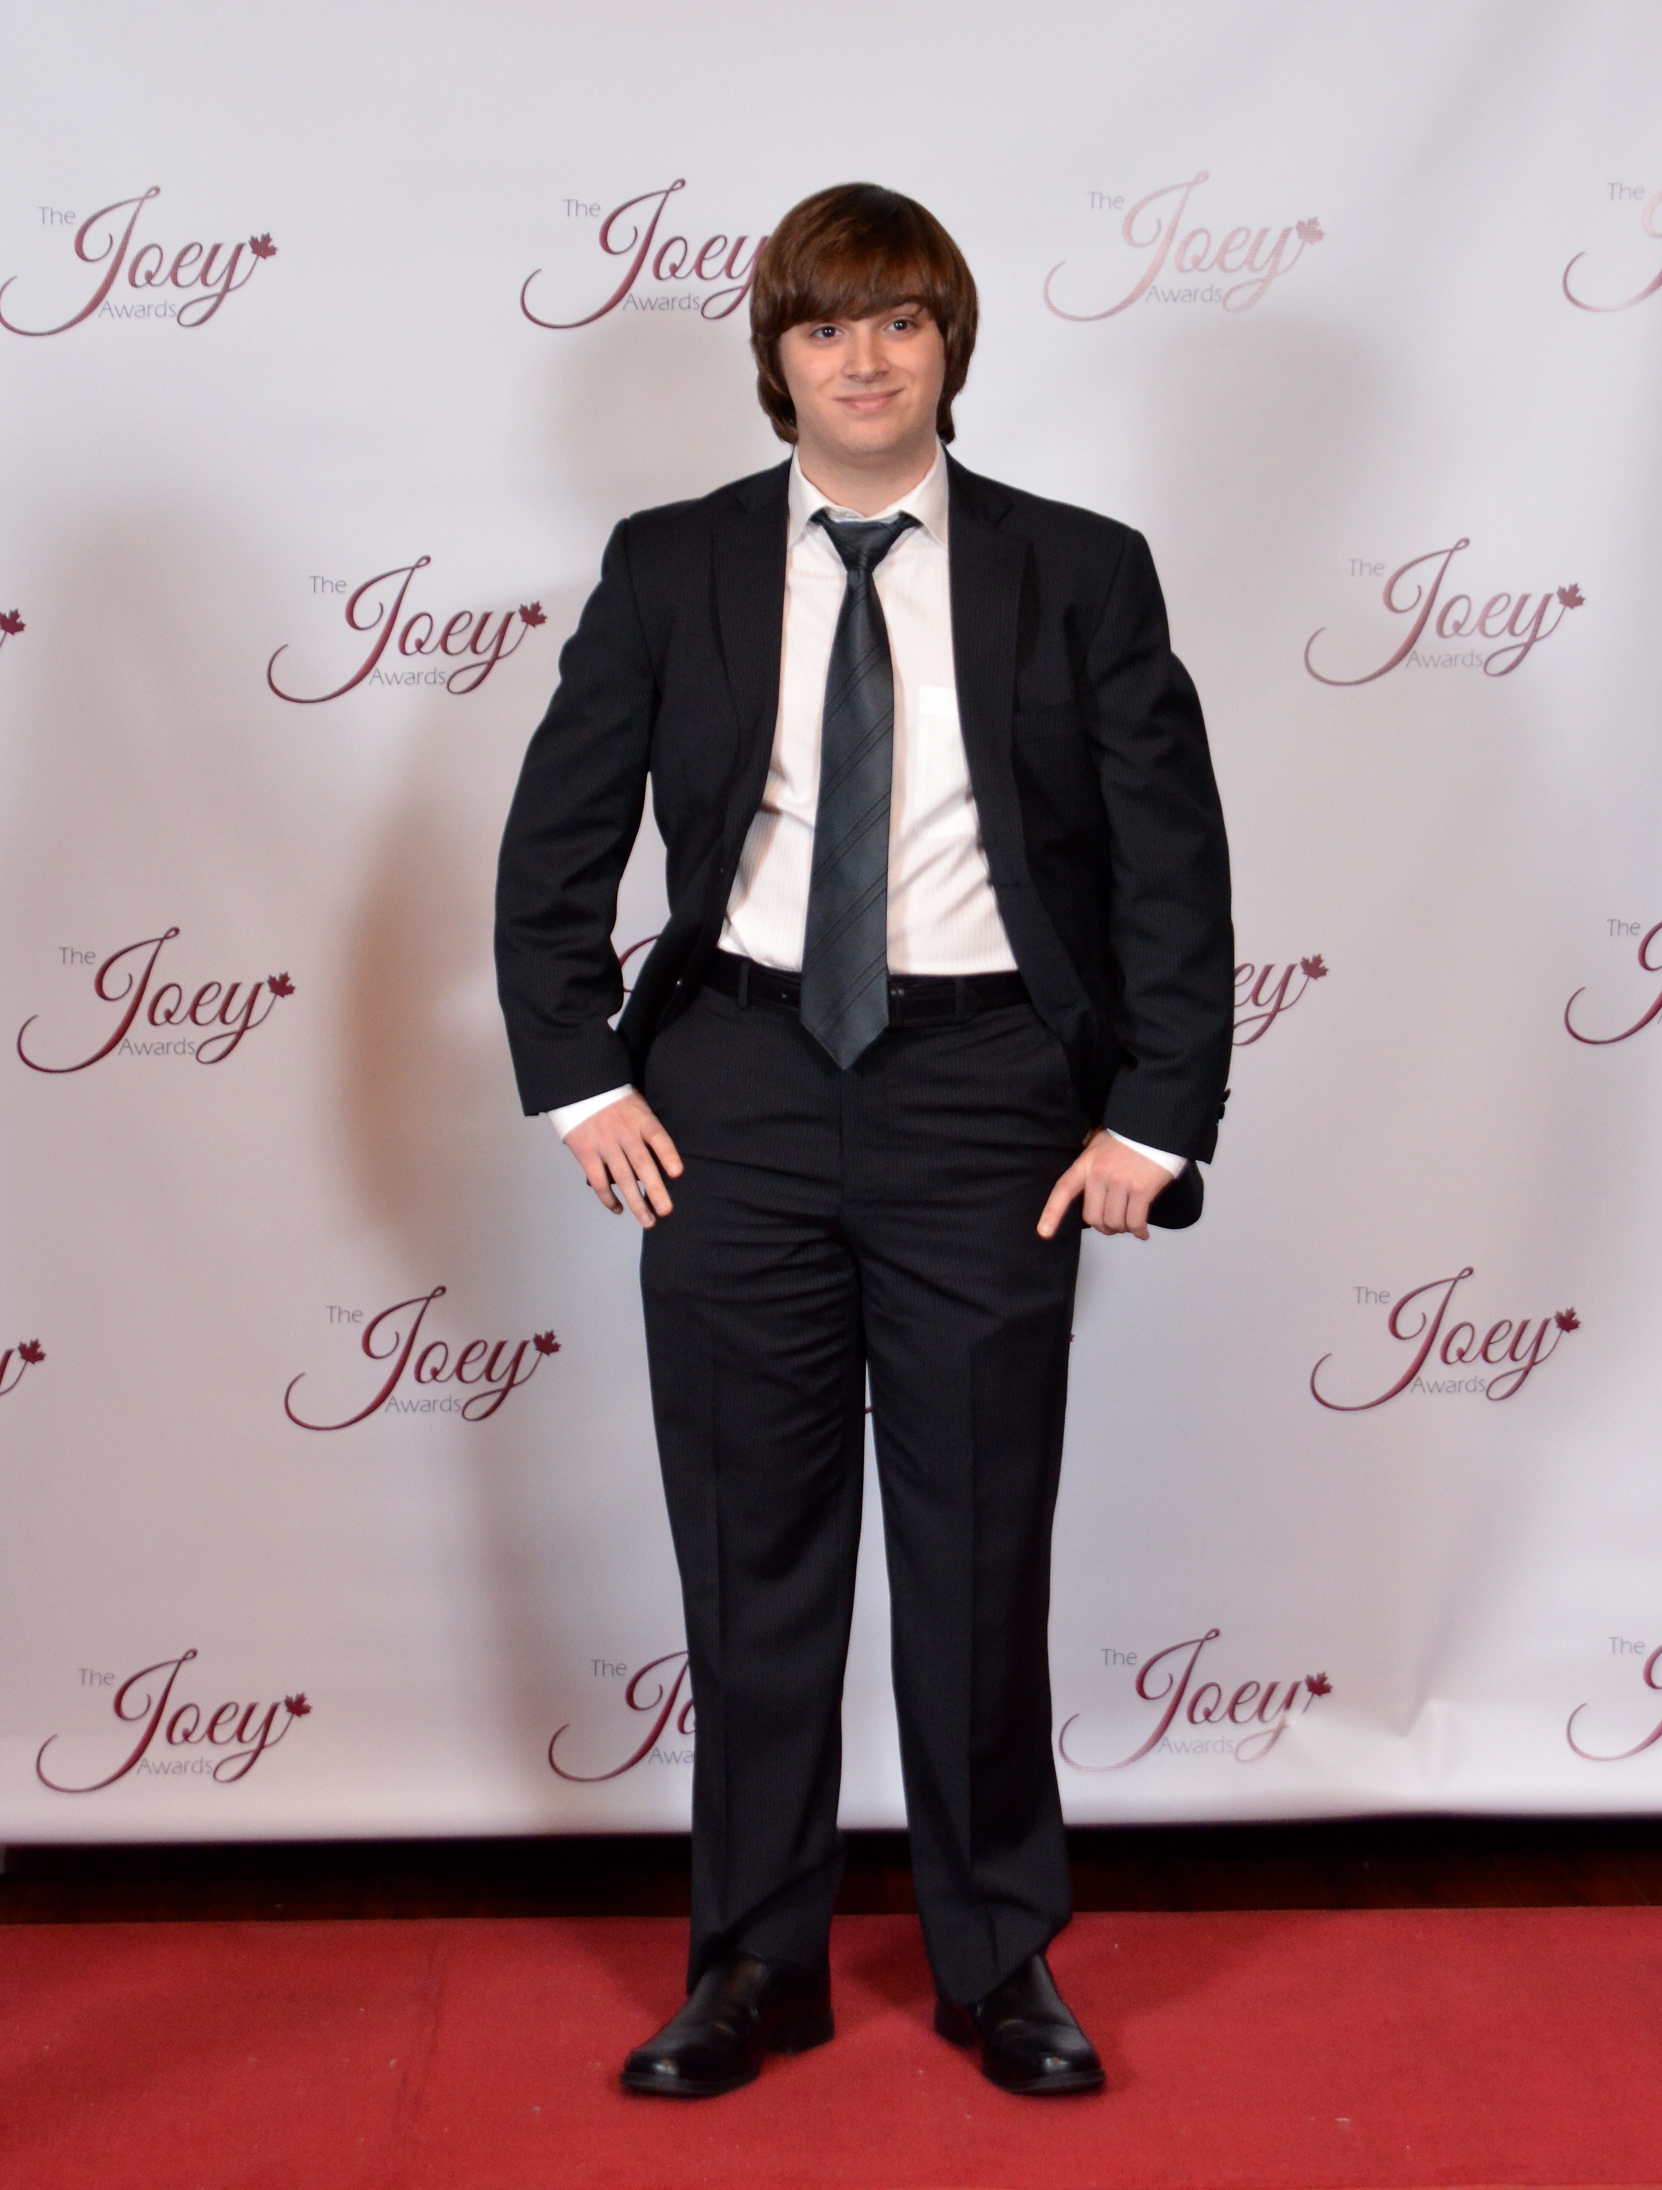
pixel 845 952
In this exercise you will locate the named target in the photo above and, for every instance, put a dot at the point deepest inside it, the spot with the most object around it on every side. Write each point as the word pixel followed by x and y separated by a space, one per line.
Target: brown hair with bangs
pixel 847 253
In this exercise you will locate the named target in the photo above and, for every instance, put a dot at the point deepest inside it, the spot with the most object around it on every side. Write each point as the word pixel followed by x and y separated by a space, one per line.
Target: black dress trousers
pixel 833 1225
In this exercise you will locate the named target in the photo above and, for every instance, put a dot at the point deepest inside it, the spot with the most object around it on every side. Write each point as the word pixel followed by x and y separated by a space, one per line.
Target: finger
pixel 623 1177
pixel 595 1172
pixel 1110 1208
pixel 1062 1197
pixel 639 1156
pixel 663 1146
pixel 1136 1214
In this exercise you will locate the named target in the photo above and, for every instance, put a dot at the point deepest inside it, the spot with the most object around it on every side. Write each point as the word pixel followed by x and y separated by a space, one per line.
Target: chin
pixel 877 436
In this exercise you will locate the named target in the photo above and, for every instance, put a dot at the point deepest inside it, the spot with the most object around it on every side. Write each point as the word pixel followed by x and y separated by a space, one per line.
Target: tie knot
pixel 863 546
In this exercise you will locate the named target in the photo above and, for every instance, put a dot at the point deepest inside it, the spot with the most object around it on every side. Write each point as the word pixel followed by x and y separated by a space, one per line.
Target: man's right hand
pixel 621 1149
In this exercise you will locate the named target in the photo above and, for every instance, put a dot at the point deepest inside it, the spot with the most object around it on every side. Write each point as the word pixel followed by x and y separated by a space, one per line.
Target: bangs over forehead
pixel 849 253
pixel 856 277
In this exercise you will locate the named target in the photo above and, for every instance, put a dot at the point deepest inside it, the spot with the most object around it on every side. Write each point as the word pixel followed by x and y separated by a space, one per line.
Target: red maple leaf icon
pixel 1310 231
pixel 279 984
pixel 11 623
pixel 31 1351
pixel 1318 1684
pixel 546 1343
pixel 296 1706
pixel 262 246
pixel 533 614
pixel 1567 1320
pixel 1571 596
pixel 1315 968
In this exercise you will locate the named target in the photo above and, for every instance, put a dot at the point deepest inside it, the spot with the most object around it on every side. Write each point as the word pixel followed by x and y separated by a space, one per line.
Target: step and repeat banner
pixel 334 343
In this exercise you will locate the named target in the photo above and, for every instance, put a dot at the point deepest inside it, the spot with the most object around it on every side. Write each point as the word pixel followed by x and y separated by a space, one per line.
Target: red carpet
pixel 1376 2049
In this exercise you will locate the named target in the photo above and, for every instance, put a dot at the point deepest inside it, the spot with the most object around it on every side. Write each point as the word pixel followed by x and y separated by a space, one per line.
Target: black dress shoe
pixel 1029 2041
pixel 739 2010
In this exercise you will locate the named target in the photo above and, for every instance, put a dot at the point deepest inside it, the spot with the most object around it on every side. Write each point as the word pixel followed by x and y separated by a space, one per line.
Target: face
pixel 865 389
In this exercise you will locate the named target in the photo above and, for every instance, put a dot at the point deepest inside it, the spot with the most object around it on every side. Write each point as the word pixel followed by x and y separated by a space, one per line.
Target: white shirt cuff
pixel 1173 1164
pixel 573 1114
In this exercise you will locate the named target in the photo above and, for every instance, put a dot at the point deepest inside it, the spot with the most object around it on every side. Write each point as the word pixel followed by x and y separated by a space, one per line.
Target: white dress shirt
pixel 943 914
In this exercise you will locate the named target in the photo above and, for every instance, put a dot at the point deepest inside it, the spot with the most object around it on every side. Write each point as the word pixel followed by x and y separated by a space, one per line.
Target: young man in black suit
pixel 947 971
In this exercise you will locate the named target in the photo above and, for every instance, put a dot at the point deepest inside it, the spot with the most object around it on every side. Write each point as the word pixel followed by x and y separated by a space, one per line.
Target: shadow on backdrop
pixel 442 1157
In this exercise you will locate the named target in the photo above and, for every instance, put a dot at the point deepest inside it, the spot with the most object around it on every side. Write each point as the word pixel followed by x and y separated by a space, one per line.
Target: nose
pixel 865 359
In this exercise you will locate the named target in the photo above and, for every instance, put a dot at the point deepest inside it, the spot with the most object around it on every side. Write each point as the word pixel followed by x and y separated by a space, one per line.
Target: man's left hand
pixel 1117 1184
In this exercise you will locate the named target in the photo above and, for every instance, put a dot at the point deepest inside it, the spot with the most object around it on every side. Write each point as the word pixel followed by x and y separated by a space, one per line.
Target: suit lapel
pixel 990 575
pixel 987 570
pixel 749 553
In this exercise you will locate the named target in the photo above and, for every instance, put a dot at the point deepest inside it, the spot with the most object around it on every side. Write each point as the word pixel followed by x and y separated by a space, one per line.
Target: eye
pixel 825 332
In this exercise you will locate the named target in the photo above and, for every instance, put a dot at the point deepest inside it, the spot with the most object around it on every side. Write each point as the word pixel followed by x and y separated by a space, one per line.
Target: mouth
pixel 870 405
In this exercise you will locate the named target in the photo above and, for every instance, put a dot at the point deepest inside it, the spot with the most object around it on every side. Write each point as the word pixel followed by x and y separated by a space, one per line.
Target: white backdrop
pixel 335 340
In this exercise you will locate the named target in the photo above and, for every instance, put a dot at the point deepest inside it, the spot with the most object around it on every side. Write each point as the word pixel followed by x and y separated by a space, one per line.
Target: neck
pixel 865 484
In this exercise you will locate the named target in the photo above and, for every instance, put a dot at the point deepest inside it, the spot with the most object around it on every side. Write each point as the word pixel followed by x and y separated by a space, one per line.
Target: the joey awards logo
pixel 1172 255
pixel 658 1701
pixel 149 1017
pixel 11 625
pixel 1600 1025
pixel 165 1732
pixel 455 649
pixel 1603 287
pixel 1218 1714
pixel 17 1361
pixel 1446 1354
pixel 471 1379
pixel 649 272
pixel 1591 1733
pixel 1264 992
pixel 1444 628
pixel 185 282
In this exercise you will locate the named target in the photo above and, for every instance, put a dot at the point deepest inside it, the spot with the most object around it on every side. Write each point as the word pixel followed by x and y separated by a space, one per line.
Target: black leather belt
pixel 915 999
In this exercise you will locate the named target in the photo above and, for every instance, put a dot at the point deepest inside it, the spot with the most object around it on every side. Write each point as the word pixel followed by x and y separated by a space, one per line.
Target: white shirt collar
pixel 927 501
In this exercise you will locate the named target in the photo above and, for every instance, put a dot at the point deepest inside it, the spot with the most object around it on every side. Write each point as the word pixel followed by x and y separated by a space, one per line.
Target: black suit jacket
pixel 1087 756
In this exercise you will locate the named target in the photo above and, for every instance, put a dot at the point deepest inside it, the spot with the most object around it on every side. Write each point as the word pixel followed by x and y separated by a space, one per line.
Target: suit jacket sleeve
pixel 1169 924
pixel 571 828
